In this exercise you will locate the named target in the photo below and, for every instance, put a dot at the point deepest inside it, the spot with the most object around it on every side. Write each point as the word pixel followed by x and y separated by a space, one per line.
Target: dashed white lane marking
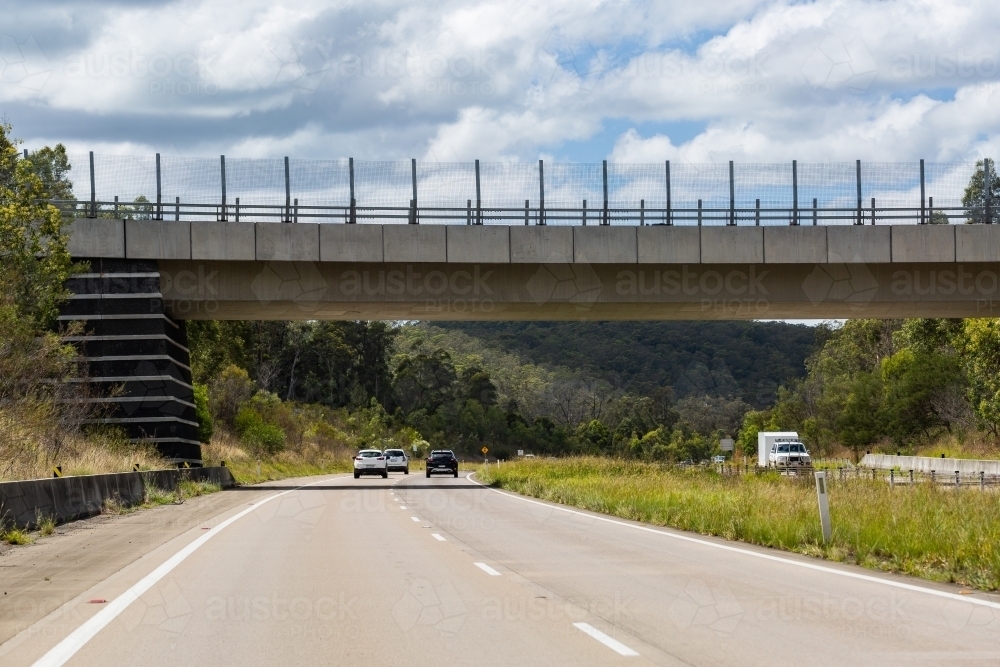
pixel 415 518
pixel 402 507
pixel 487 569
pixel 755 554
pixel 77 639
pixel 610 642
pixel 438 537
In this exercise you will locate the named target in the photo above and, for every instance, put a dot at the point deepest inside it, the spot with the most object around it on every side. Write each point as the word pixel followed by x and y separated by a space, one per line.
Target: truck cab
pixel 789 454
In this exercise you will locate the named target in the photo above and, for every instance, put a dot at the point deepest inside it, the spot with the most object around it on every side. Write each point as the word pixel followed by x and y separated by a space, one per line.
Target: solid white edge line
pixel 438 537
pixel 68 647
pixel 610 642
pixel 487 569
pixel 748 552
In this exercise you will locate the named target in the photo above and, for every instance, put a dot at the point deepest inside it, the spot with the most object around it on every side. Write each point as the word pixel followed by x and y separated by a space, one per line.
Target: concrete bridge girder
pixel 228 270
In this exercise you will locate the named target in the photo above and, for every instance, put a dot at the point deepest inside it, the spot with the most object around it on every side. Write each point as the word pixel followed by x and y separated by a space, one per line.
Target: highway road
pixel 443 571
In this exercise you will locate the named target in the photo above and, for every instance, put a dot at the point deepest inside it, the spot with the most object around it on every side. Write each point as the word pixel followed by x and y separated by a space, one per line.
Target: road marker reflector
pixel 487 569
pixel 610 642
pixel 97 601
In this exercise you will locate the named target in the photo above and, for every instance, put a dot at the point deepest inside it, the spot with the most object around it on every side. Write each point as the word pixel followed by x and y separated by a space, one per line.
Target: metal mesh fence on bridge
pixel 681 193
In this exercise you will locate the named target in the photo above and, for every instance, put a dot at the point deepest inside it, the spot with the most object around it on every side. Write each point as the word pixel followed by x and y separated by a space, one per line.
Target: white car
pixel 396 459
pixel 789 454
pixel 370 462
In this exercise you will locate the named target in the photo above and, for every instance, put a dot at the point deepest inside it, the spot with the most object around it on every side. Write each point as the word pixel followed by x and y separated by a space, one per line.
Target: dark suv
pixel 442 460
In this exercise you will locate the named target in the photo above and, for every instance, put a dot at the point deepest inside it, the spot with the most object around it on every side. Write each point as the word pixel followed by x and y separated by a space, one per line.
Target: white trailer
pixel 767 438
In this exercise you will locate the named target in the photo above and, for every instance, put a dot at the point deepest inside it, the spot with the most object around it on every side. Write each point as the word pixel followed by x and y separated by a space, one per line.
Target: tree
pixel 911 381
pixel 980 347
pixel 36 262
pixel 475 384
pixel 425 381
pixel 753 423
pixel 52 166
pixel 859 425
pixel 974 198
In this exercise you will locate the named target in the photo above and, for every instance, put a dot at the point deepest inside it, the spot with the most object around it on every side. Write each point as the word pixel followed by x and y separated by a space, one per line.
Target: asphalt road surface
pixel 411 571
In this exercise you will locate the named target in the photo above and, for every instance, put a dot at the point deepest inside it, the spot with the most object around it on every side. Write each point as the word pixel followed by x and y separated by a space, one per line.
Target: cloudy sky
pixel 580 80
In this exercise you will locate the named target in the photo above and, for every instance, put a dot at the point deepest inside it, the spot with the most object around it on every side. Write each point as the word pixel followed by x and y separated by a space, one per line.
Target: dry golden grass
pixel 32 442
pixel 307 459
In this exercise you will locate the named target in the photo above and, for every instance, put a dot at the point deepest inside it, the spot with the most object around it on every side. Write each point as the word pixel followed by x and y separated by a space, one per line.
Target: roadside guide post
pixel 824 507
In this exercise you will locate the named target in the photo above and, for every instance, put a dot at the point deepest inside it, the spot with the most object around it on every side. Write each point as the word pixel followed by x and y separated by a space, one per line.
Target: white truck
pixel 781 448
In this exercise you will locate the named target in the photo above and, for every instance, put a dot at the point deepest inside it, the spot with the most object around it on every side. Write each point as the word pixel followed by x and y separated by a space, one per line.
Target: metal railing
pixel 340 191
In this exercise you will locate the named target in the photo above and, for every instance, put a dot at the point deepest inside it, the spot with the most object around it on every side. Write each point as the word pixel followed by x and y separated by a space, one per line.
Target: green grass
pixel 191 488
pixel 46 525
pixel 936 533
pixel 155 496
pixel 16 536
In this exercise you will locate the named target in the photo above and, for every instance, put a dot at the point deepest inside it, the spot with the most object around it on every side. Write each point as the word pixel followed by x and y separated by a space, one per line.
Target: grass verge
pixel 247 469
pixel 936 533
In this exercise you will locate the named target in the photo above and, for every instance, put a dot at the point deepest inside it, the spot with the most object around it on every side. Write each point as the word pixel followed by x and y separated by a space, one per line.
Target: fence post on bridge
pixel 670 217
pixel 873 210
pixel 222 166
pixel 605 220
pixel 814 211
pixel 541 193
pixel 288 193
pixel 413 174
pixel 159 191
pixel 795 192
pixel 858 167
pixel 987 185
pixel 584 219
pixel 479 198
pixel 732 195
pixel 923 192
pixel 93 189
pixel 354 204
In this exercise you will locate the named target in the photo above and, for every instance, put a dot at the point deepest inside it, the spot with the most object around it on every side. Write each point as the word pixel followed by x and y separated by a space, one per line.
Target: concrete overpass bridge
pixel 156 264
pixel 148 276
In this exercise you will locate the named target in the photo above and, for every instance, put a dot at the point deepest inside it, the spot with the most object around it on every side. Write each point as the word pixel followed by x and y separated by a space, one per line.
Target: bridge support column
pixel 138 363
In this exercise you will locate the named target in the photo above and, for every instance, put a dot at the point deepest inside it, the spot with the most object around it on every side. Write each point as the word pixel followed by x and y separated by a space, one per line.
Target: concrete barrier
pixel 71 498
pixel 926 464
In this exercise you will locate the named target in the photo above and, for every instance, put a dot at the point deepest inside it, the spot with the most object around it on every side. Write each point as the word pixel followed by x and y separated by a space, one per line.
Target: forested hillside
pixel 747 360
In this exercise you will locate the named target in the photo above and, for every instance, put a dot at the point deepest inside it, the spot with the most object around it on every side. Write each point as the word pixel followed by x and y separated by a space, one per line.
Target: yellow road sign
pixel 485 449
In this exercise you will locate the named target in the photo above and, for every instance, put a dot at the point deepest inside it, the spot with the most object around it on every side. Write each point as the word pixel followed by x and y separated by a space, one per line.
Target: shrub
pixel 202 413
pixel 229 392
pixel 257 434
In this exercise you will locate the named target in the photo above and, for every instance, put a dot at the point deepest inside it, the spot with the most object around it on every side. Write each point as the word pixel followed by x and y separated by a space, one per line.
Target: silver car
pixel 396 459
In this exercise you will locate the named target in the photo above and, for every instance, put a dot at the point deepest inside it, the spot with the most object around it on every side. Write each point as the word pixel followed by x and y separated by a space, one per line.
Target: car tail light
pixel 381 458
pixel 359 458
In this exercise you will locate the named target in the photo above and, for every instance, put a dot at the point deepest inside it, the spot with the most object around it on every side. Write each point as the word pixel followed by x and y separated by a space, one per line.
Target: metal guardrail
pixel 529 215
pixel 652 194
pixel 892 477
